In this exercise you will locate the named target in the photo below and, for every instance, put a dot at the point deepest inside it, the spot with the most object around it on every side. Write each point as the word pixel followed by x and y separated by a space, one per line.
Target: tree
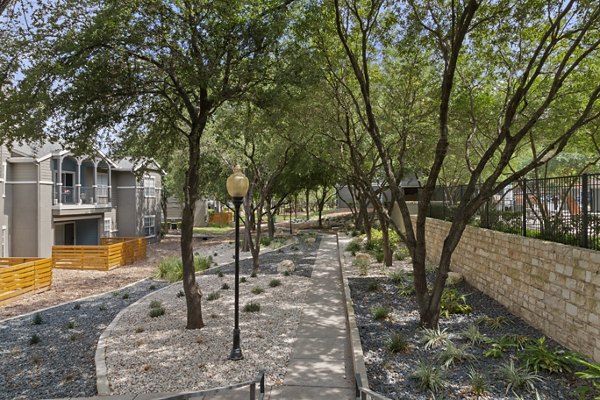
pixel 146 76
pixel 536 59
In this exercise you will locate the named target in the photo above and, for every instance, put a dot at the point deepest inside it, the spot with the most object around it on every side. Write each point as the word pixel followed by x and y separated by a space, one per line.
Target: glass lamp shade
pixel 237 183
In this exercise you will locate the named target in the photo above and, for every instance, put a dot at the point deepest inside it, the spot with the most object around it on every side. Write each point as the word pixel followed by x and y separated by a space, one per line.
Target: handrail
pixel 260 379
pixel 364 393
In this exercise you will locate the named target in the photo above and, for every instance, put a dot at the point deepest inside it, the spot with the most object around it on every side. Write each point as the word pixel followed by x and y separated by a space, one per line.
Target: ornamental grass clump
pixel 213 296
pixel 156 309
pixel 518 377
pixel 429 377
pixel 257 290
pixel 380 313
pixel 434 338
pixel 397 343
pixel 275 283
pixel 252 307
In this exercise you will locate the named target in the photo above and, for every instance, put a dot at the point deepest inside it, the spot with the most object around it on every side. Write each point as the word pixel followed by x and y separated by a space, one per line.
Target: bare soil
pixel 69 285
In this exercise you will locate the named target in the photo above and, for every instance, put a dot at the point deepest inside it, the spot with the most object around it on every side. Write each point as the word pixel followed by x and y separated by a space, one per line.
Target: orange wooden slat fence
pixel 23 275
pixel 222 218
pixel 110 254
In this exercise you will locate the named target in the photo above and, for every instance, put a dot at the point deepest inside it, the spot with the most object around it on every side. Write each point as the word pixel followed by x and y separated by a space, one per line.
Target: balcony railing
pixel 68 195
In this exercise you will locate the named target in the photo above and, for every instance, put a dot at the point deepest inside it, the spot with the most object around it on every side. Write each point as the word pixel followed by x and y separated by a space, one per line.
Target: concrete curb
pixel 358 360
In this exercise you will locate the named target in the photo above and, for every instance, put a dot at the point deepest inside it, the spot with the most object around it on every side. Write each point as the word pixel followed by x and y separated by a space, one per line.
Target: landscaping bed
pixel 488 343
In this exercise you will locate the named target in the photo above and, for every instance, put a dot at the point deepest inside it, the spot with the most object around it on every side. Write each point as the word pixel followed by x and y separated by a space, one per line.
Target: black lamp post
pixel 237 187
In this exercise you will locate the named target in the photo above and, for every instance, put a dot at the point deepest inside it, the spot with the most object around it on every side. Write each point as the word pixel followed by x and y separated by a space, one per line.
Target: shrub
pixel 362 265
pixel 592 372
pixel 253 274
pixel 171 268
pixel 252 307
pixel 156 312
pixel 380 313
pixel 180 294
pixel 224 286
pixel 152 287
pixel 433 338
pixel 37 319
pixel 102 307
pixel 455 354
pixel 402 253
pixel 453 302
pixel 379 255
pixel 406 290
pixel 77 306
pixel 220 274
pixel 498 347
pixel 494 323
pixel 473 335
pixel 72 324
pixel 35 339
pixel 373 286
pixel 539 357
pixel 429 377
pixel 275 283
pixel 243 279
pixel 258 290
pixel 353 247
pixel 479 385
pixel 397 278
pixel 286 273
pixel 213 296
pixel 202 263
pixel 397 344
pixel 125 296
pixel 518 377
pixel 265 241
pixel 155 304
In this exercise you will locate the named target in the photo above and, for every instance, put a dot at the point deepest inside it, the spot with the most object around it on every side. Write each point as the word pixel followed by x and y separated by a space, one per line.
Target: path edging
pixel 358 360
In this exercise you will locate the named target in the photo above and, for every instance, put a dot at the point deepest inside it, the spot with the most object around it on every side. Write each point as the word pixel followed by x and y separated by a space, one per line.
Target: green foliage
pixel 37 319
pixel 243 279
pixel 362 265
pixel 77 306
pixel 373 286
pixel 397 277
pixel 171 268
pixel 406 290
pixel 474 335
pixel 34 339
pixel 479 385
pixel 402 253
pixel 453 354
pixel 253 274
pixel 591 373
pixel 71 324
pixel 125 296
pixel 499 346
pixel 433 338
pixel 539 357
pixel 180 294
pixel 453 302
pixel 397 343
pixel 353 246
pixel 220 274
pixel 213 296
pixel 429 377
pixel 252 307
pixel 274 283
pixel 224 286
pixel 155 304
pixel 286 273
pixel 152 287
pixel 265 241
pixel 156 312
pixel 494 323
pixel 257 290
pixel 517 377
pixel 380 313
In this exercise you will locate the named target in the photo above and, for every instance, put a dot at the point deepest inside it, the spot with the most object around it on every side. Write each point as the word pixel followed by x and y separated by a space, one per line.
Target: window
pixel 149 221
pixel 107 227
pixel 149 186
pixel 102 185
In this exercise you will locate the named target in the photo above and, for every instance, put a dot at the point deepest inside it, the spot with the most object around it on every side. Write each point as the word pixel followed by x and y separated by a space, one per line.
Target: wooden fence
pixel 19 276
pixel 222 218
pixel 110 254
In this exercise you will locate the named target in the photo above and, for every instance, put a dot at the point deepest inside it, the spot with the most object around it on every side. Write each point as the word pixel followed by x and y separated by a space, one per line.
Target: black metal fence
pixel 564 210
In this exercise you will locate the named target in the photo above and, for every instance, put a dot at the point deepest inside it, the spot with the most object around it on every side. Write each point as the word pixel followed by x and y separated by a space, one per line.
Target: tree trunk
pixel 385 235
pixel 256 248
pixel 193 294
pixel 163 205
pixel 307 207
pixel 296 206
pixel 270 218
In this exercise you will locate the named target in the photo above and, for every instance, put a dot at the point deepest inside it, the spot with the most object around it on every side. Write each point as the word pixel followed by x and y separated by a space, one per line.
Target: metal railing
pixel 364 393
pixel 564 209
pixel 259 380
pixel 87 195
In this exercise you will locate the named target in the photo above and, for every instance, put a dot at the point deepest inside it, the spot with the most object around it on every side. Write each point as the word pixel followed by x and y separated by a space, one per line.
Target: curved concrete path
pixel 320 366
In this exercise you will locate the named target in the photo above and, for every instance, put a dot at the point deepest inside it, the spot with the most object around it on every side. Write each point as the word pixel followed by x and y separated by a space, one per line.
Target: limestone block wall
pixel 554 287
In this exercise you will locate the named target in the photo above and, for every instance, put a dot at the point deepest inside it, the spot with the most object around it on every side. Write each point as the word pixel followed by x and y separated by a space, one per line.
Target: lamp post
pixel 237 187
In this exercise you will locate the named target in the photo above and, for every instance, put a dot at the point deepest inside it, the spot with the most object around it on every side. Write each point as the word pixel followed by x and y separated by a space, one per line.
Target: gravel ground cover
pixel 61 363
pixel 157 354
pixel 391 373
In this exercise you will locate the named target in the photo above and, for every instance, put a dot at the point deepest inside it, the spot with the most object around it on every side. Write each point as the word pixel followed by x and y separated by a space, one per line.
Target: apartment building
pixel 49 196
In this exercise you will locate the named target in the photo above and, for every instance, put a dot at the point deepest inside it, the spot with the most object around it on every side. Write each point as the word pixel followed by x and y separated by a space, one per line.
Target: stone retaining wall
pixel 554 287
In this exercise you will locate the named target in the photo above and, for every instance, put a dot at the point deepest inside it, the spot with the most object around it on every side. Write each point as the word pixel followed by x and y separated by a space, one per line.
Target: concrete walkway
pixel 320 366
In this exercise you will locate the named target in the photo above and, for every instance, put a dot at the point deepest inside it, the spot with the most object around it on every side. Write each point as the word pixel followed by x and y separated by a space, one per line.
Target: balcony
pixel 70 199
